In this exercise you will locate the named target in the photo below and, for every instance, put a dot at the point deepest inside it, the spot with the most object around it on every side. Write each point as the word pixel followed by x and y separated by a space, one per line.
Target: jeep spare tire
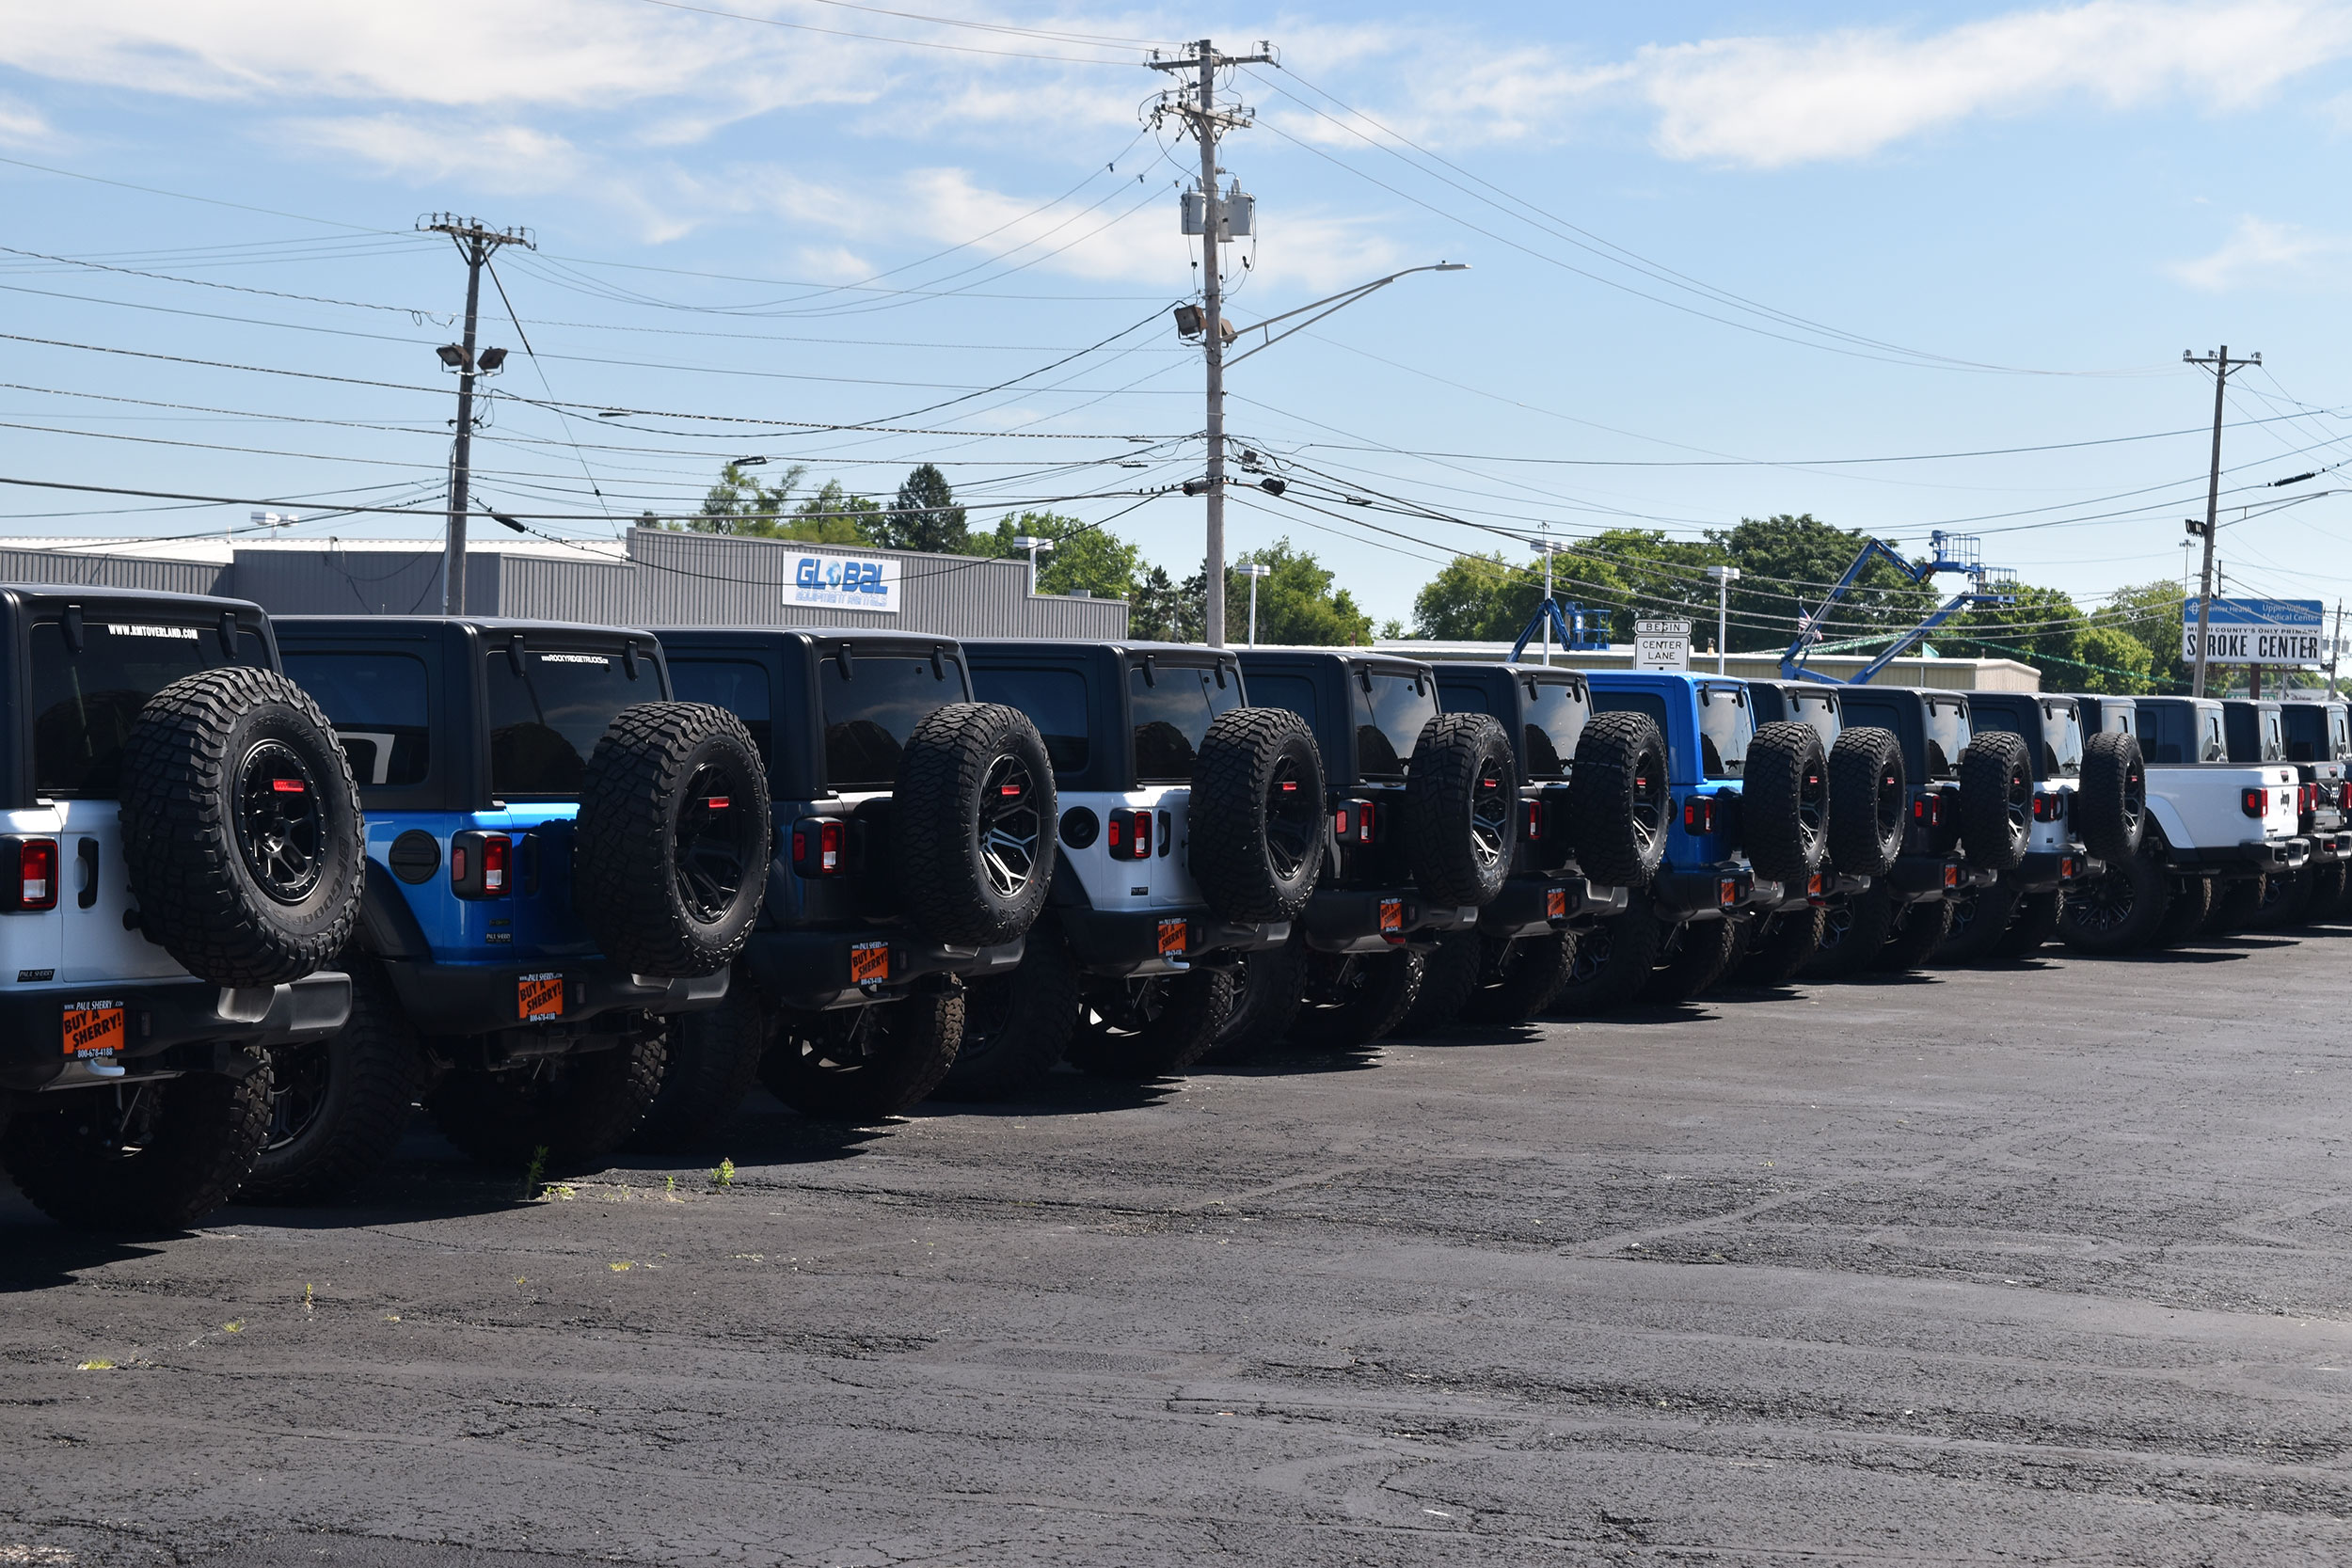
pixel 972 835
pixel 241 828
pixel 1461 809
pixel 1617 800
pixel 1784 803
pixel 670 853
pixel 1995 800
pixel 1253 830
pixel 1870 801
pixel 2111 803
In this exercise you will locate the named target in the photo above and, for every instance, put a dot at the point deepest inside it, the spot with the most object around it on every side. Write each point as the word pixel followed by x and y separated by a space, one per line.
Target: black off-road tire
pixel 1461 809
pixel 2328 889
pixel 1784 804
pixel 1981 918
pixel 1619 802
pixel 2286 901
pixel 1853 929
pixel 2191 900
pixel 1918 929
pixel 2120 911
pixel 864 1064
pixel 712 1062
pixel 1612 961
pixel 1017 1026
pixel 1157 1026
pixel 1254 835
pixel 973 860
pixel 1449 972
pixel 670 852
pixel 2034 926
pixel 1995 800
pixel 1517 976
pixel 1869 794
pixel 339 1107
pixel 2111 798
pixel 1778 947
pixel 2236 902
pixel 578 1107
pixel 196 1137
pixel 1353 999
pixel 1269 987
pixel 243 882
pixel 1691 958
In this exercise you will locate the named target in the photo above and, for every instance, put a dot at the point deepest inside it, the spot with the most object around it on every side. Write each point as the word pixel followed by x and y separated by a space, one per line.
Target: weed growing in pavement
pixel 98 1365
pixel 532 1172
pixel 669 1183
pixel 722 1175
pixel 310 1300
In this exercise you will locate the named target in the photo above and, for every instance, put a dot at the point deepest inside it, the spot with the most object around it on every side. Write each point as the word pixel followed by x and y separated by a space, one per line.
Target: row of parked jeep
pixel 580 887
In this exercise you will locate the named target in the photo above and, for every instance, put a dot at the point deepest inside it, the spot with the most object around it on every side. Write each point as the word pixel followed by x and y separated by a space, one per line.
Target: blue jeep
pixel 559 855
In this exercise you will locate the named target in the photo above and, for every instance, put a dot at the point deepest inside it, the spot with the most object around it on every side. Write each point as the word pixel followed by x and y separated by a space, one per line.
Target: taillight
pixel 820 846
pixel 478 863
pixel 1534 821
pixel 2253 802
pixel 2049 808
pixel 1698 815
pixel 36 874
pixel 1355 822
pixel 2303 799
pixel 1127 834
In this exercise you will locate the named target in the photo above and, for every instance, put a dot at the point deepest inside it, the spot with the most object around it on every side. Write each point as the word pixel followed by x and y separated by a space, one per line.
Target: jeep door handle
pixel 86 853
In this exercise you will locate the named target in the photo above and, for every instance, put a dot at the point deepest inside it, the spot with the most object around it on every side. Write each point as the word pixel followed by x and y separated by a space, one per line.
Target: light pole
pixel 1036 546
pixel 1194 321
pixel 1724 576
pixel 1549 549
pixel 1253 570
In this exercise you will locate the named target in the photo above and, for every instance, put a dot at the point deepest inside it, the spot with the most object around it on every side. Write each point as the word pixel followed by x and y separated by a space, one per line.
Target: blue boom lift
pixel 1953 552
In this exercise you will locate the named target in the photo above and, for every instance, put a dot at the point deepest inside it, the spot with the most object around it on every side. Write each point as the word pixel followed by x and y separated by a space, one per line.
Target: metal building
pixel 653 576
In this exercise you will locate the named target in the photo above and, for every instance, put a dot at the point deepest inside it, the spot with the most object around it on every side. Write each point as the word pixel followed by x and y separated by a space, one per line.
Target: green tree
pixel 834 516
pixel 1296 602
pixel 2150 612
pixel 1473 598
pixel 2108 658
pixel 1160 611
pixel 1083 557
pixel 740 503
pixel 1787 565
pixel 2039 624
pixel 925 515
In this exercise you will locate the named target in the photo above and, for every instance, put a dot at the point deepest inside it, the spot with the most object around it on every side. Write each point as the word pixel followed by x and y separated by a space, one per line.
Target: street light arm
pixel 1326 306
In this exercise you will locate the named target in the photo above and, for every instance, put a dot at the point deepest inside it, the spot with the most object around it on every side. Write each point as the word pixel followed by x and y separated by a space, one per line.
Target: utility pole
pixel 475 243
pixel 1724 576
pixel 2335 645
pixel 2222 364
pixel 1201 113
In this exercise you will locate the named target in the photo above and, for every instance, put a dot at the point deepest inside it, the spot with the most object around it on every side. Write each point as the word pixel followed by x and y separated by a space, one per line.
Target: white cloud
pixel 497 156
pixel 1768 103
pixel 2261 252
pixel 21 125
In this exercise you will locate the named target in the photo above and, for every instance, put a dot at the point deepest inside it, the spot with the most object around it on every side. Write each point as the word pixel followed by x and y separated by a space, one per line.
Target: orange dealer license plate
pixel 538 996
pixel 93 1028
pixel 1172 938
pixel 869 963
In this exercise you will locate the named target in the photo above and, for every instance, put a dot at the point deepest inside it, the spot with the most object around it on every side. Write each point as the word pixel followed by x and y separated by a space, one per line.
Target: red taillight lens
pixel 496 849
pixel 1127 835
pixel 1698 815
pixel 36 874
pixel 2253 802
pixel 479 863
pixel 1534 821
pixel 820 846
pixel 2049 808
pixel 1354 822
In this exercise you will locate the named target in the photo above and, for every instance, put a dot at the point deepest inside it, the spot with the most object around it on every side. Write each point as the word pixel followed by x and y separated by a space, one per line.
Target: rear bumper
pixel 2047 869
pixel 1708 893
pixel 2328 848
pixel 1160 941
pixel 812 971
pixel 1826 888
pixel 479 999
pixel 1340 919
pixel 167 1025
pixel 1919 878
pixel 1530 906
pixel 2245 859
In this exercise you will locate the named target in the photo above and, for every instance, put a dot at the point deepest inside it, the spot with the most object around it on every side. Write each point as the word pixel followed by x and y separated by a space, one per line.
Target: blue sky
pixel 1711 246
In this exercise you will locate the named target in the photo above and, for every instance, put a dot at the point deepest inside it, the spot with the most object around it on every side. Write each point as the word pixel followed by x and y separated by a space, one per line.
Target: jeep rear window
pixel 871 711
pixel 1556 711
pixel 2274 745
pixel 545 722
pixel 1295 693
pixel 84 703
pixel 737 685
pixel 1637 702
pixel 1726 724
pixel 1056 702
pixel 1173 711
pixel 376 703
pixel 2062 740
pixel 1819 709
pixel 1948 734
pixel 1388 720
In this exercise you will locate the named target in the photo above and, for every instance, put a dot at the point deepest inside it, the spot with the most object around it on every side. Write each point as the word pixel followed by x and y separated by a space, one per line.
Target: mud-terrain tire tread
pixel 1773 957
pixel 1225 830
pixel 1699 962
pixel 1615 957
pixel 2144 877
pixel 2286 901
pixel 1615 750
pixel 188 881
pixel 2113 771
pixel 1859 844
pixel 1779 845
pixel 1042 1015
pixel 1517 976
pixel 1386 996
pixel 1990 768
pixel 1849 946
pixel 501 1119
pixel 1441 792
pixel 378 1065
pixel 1449 972
pixel 925 1030
pixel 1919 930
pixel 934 828
pixel 1989 912
pixel 1269 993
pixel 1197 1003
pixel 712 1062
pixel 212 1127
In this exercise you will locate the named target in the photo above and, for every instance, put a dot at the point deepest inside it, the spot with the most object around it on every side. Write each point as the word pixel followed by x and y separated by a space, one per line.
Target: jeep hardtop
pixel 181 846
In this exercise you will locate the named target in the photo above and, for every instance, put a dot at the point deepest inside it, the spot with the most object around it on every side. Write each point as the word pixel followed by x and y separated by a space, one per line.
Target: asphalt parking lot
pixel 2041 1263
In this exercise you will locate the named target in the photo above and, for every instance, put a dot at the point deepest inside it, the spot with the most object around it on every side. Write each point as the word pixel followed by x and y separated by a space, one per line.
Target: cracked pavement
pixel 2042 1264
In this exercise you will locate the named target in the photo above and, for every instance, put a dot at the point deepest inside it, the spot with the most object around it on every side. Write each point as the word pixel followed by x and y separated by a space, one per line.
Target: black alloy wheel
pixel 1651 819
pixel 1293 819
pixel 279 825
pixel 1890 799
pixel 718 843
pixel 1594 949
pixel 1491 804
pixel 1010 826
pixel 297 1092
pixel 2102 903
